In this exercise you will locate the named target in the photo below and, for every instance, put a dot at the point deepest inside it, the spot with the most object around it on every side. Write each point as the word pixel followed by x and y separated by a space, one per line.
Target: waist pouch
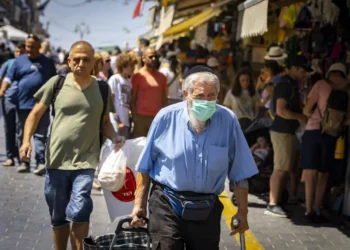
pixel 194 208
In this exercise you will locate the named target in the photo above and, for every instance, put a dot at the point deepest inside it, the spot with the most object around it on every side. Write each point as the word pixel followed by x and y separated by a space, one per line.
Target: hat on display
pixel 337 67
pixel 276 54
pixel 213 62
pixel 198 69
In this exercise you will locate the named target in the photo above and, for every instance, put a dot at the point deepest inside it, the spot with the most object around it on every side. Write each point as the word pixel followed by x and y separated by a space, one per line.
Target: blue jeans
pixel 40 134
pixel 68 195
pixel 11 128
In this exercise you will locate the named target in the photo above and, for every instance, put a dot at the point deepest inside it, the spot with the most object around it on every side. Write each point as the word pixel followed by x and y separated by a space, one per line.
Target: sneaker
pixel 23 168
pixel 40 170
pixel 319 218
pixel 276 211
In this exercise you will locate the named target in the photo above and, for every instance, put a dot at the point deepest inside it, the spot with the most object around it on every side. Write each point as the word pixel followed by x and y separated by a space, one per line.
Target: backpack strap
pixel 56 90
pixel 103 86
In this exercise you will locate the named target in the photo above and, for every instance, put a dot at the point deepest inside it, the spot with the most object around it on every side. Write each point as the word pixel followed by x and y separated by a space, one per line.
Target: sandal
pixel 9 163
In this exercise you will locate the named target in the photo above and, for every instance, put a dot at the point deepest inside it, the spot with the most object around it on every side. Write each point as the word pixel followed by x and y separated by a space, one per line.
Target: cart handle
pixel 128 219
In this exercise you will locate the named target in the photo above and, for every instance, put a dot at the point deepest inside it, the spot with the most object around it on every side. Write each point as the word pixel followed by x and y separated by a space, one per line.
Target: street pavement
pixel 25 223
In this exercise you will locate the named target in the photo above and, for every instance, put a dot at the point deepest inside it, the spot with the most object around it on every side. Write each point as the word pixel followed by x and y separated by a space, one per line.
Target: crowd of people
pixel 120 95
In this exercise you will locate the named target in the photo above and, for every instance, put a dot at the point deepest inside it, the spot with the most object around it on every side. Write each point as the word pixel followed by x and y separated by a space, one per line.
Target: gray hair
pixel 201 77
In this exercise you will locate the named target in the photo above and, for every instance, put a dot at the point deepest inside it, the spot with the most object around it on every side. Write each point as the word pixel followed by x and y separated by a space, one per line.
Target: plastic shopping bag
pixel 114 166
pixel 113 170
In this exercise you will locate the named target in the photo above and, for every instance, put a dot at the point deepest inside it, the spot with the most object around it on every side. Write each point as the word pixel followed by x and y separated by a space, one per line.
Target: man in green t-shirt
pixel 74 145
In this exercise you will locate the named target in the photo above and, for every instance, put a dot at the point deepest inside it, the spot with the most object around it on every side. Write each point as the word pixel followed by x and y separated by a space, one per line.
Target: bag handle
pixel 128 219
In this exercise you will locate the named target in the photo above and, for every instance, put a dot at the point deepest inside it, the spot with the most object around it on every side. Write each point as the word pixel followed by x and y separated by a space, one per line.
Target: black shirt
pixel 287 89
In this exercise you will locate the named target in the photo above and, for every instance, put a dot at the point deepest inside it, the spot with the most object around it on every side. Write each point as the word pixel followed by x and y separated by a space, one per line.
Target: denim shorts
pixel 68 195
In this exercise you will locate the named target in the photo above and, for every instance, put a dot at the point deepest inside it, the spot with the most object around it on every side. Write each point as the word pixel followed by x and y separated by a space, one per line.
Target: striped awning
pixel 252 18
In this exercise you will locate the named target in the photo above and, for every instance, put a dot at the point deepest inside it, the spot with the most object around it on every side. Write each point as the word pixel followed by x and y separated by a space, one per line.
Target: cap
pixel 197 69
pixel 213 62
pixel 300 61
pixel 337 67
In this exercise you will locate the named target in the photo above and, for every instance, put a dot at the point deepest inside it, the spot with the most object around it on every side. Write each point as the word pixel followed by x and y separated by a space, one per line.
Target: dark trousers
pixel 40 134
pixel 9 112
pixel 170 232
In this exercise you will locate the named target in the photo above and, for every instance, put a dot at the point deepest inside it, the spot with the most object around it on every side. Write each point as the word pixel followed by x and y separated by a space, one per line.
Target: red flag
pixel 137 10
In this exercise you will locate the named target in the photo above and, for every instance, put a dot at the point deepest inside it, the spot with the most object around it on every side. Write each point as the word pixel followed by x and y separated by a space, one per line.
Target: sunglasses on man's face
pixel 108 61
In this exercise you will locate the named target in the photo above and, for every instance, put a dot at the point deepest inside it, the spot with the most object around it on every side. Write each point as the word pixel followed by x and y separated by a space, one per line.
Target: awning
pixel 252 18
pixel 193 22
pixel 13 33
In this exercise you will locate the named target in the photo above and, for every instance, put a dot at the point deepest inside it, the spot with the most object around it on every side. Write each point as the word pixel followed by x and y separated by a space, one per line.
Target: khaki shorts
pixel 284 148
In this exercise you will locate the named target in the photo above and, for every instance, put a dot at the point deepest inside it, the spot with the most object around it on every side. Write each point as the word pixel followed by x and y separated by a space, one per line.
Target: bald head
pixel 82 45
pixel 150 58
pixel 81 59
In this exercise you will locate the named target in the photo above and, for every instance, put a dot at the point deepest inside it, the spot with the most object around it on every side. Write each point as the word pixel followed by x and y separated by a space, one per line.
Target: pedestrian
pixel 318 147
pixel 31 71
pixel 192 147
pixel 74 144
pixel 170 67
pixel 287 114
pixel 106 71
pixel 149 93
pixel 9 104
pixel 242 99
pixel 121 92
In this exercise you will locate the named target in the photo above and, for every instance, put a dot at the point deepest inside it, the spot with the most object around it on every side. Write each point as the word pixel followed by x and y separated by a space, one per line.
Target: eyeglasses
pixel 108 61
pixel 34 37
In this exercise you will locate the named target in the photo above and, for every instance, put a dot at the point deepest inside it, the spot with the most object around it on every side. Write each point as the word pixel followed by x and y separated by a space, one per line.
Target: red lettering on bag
pixel 127 192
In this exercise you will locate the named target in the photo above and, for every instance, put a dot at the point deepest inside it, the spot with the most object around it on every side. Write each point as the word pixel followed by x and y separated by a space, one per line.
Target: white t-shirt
pixel 174 90
pixel 121 88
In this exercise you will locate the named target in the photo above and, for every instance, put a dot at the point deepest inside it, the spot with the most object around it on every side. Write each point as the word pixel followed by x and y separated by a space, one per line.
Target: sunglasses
pixel 108 61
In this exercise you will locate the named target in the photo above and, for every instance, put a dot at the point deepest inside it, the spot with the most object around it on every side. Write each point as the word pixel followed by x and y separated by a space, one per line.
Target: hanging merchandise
pixel 304 18
pixel 288 16
pixel 292 49
pixel 316 10
pixel 317 38
pixel 330 12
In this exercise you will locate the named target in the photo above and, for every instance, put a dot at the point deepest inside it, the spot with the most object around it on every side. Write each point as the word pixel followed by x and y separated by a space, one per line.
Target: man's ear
pixel 185 93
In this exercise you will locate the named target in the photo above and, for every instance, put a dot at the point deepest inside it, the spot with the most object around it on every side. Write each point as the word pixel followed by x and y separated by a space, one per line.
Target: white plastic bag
pixel 113 165
pixel 113 170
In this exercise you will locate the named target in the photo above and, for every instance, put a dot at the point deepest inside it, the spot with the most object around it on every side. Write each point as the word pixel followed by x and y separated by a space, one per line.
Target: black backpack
pixel 103 86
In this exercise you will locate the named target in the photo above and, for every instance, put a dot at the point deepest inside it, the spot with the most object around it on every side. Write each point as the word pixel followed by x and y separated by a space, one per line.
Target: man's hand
pixel 118 142
pixel 137 216
pixel 25 152
pixel 243 223
pixel 2 93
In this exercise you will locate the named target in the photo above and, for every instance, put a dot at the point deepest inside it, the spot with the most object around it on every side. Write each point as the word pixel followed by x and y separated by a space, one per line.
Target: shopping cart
pixel 123 238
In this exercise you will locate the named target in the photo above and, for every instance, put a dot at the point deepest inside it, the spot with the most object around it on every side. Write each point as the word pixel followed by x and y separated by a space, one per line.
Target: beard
pixel 195 123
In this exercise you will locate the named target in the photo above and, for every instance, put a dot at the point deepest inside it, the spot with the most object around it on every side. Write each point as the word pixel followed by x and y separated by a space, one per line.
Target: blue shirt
pixel 11 93
pixel 176 156
pixel 31 75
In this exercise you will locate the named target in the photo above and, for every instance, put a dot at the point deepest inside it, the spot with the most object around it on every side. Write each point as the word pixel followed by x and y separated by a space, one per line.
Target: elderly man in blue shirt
pixel 191 148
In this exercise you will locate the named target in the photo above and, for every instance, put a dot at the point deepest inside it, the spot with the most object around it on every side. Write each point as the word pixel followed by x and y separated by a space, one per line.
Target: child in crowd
pixel 260 150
